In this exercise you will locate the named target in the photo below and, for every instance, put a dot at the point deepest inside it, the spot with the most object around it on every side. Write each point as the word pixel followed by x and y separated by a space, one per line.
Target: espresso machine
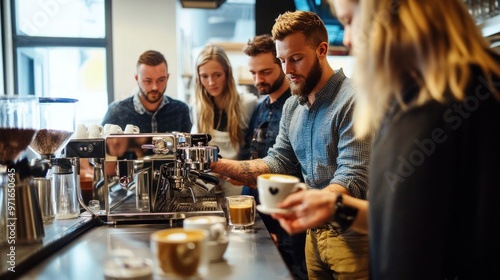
pixel 152 176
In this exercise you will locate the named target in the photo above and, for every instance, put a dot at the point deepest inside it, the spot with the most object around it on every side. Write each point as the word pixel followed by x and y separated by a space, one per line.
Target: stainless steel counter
pixel 18 258
pixel 248 256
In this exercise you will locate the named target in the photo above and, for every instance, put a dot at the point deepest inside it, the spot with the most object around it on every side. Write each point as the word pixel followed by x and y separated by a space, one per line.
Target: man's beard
pixel 303 89
pixel 274 87
pixel 148 97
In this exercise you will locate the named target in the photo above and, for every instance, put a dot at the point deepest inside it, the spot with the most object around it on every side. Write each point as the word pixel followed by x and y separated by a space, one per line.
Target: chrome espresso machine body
pixel 152 176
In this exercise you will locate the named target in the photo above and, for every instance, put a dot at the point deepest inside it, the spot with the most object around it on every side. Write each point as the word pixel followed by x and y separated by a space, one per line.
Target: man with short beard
pixel 316 137
pixel 263 129
pixel 149 108
pixel 270 82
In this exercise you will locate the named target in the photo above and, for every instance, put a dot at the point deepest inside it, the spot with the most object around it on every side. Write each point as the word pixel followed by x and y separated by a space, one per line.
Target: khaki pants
pixel 333 256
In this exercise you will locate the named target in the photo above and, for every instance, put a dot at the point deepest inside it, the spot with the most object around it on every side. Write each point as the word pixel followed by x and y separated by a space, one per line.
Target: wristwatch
pixel 344 215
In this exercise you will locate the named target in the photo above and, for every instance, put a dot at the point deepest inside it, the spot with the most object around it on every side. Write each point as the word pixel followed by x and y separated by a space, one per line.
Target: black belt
pixel 326 226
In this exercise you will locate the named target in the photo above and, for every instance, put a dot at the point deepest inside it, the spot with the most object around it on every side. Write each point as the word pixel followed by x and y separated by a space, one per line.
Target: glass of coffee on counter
pixel 241 212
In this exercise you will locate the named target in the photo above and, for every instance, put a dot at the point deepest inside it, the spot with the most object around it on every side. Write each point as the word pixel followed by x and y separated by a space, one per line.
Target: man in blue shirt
pixel 316 136
pixel 263 129
pixel 270 82
pixel 150 109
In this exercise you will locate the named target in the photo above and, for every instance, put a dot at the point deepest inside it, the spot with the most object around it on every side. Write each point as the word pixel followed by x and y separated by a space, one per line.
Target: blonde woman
pixel 219 109
pixel 429 85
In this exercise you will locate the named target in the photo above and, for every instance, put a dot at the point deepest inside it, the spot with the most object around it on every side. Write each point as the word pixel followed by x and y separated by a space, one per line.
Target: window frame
pixel 19 41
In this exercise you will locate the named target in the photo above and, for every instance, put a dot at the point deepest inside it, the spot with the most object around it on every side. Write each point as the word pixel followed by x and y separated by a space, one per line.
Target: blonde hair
pixel 430 43
pixel 231 99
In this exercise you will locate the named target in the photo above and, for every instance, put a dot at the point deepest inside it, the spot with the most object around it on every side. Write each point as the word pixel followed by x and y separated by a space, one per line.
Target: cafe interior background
pixel 87 49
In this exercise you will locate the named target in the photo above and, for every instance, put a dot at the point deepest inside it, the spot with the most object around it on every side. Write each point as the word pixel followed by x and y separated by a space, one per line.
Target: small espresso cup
pixel 131 129
pixel 105 129
pixel 81 132
pixel 179 252
pixel 241 212
pixel 95 131
pixel 273 188
pixel 115 129
pixel 217 240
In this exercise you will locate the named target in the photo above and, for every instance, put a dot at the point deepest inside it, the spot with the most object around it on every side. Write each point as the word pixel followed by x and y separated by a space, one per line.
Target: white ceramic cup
pixel 105 129
pixel 179 253
pixel 216 227
pixel 81 132
pixel 95 131
pixel 132 129
pixel 95 127
pixel 115 129
pixel 273 188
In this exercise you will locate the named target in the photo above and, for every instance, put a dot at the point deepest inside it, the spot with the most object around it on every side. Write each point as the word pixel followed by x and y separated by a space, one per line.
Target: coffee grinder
pixel 58 189
pixel 20 216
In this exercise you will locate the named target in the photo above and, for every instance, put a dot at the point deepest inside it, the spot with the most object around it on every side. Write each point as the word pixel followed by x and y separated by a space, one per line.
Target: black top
pixel 435 189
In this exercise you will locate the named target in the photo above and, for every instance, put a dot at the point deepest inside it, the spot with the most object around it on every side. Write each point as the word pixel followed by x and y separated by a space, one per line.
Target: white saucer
pixel 263 209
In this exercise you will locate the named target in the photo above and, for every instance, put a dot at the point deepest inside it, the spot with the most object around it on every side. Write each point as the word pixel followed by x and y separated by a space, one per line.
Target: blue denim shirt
pixel 319 140
pixel 263 127
pixel 171 115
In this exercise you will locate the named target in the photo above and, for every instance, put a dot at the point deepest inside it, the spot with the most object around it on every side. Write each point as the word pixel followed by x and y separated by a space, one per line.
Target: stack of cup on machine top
pixel 83 131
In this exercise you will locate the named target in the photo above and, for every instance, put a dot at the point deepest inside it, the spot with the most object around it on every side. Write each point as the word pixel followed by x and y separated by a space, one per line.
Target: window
pixel 62 48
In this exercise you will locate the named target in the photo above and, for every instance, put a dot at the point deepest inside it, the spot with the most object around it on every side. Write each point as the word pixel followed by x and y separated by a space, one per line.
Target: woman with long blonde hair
pixel 428 84
pixel 220 110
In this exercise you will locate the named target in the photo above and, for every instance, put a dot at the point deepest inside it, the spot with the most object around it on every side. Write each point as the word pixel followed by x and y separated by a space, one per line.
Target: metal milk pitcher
pixel 21 219
pixel 44 192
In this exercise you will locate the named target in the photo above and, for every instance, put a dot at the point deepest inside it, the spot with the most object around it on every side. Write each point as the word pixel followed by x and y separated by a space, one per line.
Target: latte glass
pixel 241 212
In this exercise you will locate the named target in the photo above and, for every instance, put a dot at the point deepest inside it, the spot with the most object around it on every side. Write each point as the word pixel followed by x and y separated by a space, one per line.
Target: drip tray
pixel 177 208
pixel 185 204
